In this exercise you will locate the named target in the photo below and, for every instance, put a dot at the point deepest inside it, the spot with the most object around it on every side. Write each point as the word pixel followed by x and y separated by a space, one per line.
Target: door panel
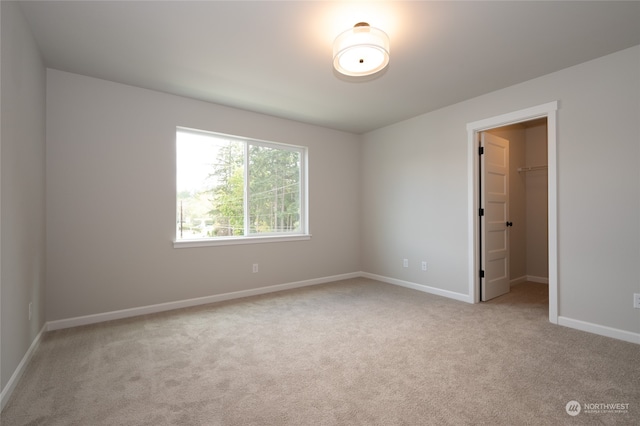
pixel 495 202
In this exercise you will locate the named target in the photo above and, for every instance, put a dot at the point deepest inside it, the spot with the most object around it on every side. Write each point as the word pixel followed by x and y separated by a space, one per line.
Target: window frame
pixel 301 235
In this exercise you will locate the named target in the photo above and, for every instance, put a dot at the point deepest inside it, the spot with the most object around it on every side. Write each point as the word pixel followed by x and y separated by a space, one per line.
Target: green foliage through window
pixel 228 186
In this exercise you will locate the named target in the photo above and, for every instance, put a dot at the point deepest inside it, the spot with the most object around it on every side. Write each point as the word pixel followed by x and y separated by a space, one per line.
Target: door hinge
pixel 481 273
pixel 481 212
pixel 480 150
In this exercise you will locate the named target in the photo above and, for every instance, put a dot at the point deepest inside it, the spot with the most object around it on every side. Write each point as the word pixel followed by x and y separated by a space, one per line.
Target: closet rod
pixel 531 169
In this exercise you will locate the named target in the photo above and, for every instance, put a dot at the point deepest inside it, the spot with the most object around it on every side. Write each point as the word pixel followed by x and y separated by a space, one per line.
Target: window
pixel 238 190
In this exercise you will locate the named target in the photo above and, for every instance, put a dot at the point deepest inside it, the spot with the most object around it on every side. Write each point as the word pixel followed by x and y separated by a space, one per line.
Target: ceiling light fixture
pixel 361 51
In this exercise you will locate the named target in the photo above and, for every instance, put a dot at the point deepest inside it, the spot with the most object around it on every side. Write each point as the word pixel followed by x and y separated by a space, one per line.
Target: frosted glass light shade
pixel 361 50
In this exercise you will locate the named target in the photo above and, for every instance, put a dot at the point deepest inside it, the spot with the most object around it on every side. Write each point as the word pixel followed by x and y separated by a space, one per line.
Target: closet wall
pixel 537 199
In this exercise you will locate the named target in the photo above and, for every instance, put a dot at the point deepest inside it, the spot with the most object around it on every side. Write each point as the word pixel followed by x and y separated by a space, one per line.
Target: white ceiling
pixel 275 57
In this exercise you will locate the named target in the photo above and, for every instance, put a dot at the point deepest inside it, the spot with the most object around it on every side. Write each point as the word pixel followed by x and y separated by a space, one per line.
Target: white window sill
pixel 239 240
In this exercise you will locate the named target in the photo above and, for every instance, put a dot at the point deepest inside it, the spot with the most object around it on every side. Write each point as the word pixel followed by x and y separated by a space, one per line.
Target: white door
pixel 494 223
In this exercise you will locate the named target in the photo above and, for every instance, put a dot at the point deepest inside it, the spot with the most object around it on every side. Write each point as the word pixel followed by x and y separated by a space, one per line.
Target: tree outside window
pixel 233 187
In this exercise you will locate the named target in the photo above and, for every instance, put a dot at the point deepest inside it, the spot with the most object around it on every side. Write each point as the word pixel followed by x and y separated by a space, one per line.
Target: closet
pixel 528 200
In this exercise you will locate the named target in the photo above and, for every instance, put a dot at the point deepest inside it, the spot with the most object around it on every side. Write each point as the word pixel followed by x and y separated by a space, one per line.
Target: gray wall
pixel 22 189
pixel 111 201
pixel 414 189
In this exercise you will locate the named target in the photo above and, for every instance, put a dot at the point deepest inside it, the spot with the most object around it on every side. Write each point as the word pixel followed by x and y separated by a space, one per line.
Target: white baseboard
pixel 161 307
pixel 541 280
pixel 420 287
pixel 15 377
pixel 602 330
pixel 529 278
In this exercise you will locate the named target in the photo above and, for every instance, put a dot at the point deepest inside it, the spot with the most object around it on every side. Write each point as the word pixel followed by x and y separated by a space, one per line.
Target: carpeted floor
pixel 355 352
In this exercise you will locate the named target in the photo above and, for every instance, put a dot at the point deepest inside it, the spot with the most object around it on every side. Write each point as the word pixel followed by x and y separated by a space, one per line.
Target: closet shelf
pixel 531 168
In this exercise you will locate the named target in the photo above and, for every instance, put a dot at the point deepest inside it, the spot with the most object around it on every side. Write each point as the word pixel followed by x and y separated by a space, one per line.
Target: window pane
pixel 274 190
pixel 231 187
pixel 210 186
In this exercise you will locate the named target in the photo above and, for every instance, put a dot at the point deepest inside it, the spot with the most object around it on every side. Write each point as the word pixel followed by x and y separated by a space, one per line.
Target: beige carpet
pixel 355 352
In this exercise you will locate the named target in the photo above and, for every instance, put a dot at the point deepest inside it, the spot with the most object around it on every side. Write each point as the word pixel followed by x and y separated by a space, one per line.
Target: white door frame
pixel 548 110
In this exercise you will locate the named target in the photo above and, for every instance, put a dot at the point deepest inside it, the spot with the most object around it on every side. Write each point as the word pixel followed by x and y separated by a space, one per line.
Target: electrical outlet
pixel 424 265
pixel 30 306
pixel 636 300
pixel 255 268
pixel 405 263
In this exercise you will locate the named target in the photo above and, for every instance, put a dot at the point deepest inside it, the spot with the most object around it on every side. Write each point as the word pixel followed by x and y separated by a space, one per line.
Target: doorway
pixel 474 130
pixel 513 236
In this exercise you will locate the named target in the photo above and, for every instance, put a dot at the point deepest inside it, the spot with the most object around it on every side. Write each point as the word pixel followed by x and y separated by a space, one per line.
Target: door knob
pixel 509 223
